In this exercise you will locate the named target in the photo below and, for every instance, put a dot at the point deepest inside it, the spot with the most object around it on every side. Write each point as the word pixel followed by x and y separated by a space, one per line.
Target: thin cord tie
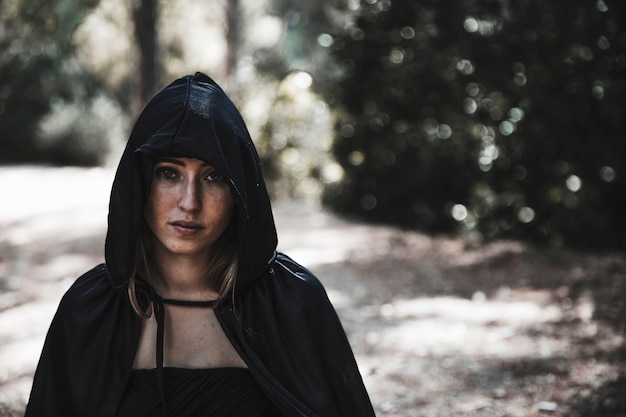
pixel 159 313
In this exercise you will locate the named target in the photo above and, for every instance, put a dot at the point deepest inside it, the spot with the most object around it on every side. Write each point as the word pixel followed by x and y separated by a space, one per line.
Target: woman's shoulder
pixel 96 279
pixel 91 290
pixel 290 269
pixel 292 281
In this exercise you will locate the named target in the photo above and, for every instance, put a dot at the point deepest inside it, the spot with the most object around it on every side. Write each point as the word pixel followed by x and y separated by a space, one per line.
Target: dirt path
pixel 438 328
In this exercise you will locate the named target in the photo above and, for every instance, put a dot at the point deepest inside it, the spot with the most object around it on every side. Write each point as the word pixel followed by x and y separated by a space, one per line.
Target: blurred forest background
pixel 487 118
pixel 481 119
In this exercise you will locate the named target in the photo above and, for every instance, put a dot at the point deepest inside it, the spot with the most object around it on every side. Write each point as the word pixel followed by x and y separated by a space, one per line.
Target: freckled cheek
pixel 157 207
pixel 150 216
pixel 221 206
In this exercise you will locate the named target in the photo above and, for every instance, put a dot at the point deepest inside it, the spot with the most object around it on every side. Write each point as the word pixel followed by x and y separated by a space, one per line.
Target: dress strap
pixel 185 303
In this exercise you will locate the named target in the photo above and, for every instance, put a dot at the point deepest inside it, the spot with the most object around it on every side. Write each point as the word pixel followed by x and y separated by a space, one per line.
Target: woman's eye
pixel 215 176
pixel 166 173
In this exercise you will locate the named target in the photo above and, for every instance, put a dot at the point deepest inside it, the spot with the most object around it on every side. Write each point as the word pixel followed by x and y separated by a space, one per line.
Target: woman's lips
pixel 186 228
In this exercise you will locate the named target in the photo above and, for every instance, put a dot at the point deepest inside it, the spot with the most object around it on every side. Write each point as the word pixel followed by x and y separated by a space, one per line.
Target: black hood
pixel 192 117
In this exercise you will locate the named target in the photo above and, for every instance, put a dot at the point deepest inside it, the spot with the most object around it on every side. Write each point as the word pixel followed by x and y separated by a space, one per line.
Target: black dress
pixel 216 392
pixel 187 392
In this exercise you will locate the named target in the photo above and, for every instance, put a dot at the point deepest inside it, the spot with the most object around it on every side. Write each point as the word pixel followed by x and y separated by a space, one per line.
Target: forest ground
pixel 439 327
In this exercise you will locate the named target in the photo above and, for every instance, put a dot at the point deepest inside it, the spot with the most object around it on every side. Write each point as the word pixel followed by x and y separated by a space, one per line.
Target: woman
pixel 194 311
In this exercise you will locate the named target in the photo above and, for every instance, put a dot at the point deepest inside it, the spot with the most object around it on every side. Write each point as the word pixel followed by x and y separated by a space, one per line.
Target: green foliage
pixel 40 74
pixel 498 118
pixel 294 142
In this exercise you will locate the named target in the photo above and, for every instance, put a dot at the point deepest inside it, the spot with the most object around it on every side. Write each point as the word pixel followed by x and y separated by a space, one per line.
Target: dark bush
pixel 502 119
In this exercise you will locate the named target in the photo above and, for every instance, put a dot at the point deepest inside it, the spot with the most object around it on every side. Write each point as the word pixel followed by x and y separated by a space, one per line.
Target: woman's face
pixel 189 207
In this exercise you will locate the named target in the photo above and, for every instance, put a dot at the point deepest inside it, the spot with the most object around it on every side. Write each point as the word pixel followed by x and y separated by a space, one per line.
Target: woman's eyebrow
pixel 177 161
pixel 170 160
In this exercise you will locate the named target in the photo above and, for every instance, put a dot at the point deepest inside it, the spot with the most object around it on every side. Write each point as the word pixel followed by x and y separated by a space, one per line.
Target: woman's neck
pixel 182 278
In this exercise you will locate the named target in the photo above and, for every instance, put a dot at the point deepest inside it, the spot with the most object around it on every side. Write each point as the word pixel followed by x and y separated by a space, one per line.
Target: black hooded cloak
pixel 280 321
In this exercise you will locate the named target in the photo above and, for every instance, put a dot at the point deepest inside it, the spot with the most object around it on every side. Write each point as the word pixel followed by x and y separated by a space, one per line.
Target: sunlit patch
pixel 607 174
pixel 278 141
pixel 430 126
pixel 485 163
pixel 573 183
pixel 325 40
pixel 339 299
pixel 465 67
pixel 520 80
pixel 332 172
pixel 516 114
pixel 470 25
pixel 444 131
pixel 482 325
pixel 601 6
pixel 302 80
pixel 356 158
pixel 37 214
pixel 489 153
pixel 472 89
pixel 290 156
pixel 597 92
pixel 396 56
pixel 470 106
pixel 526 214
pixel 603 43
pixel 459 212
pixel 506 128
pixel 266 31
pixel 480 26
pixel 407 32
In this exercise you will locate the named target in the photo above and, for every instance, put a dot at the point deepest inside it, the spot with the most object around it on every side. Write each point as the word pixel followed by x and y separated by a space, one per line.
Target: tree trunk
pixel 145 16
pixel 232 36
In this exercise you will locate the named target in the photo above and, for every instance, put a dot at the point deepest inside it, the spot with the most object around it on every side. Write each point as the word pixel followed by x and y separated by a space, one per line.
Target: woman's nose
pixel 190 199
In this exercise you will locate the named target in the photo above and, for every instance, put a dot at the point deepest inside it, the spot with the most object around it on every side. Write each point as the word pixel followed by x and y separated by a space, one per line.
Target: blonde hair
pixel 224 265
